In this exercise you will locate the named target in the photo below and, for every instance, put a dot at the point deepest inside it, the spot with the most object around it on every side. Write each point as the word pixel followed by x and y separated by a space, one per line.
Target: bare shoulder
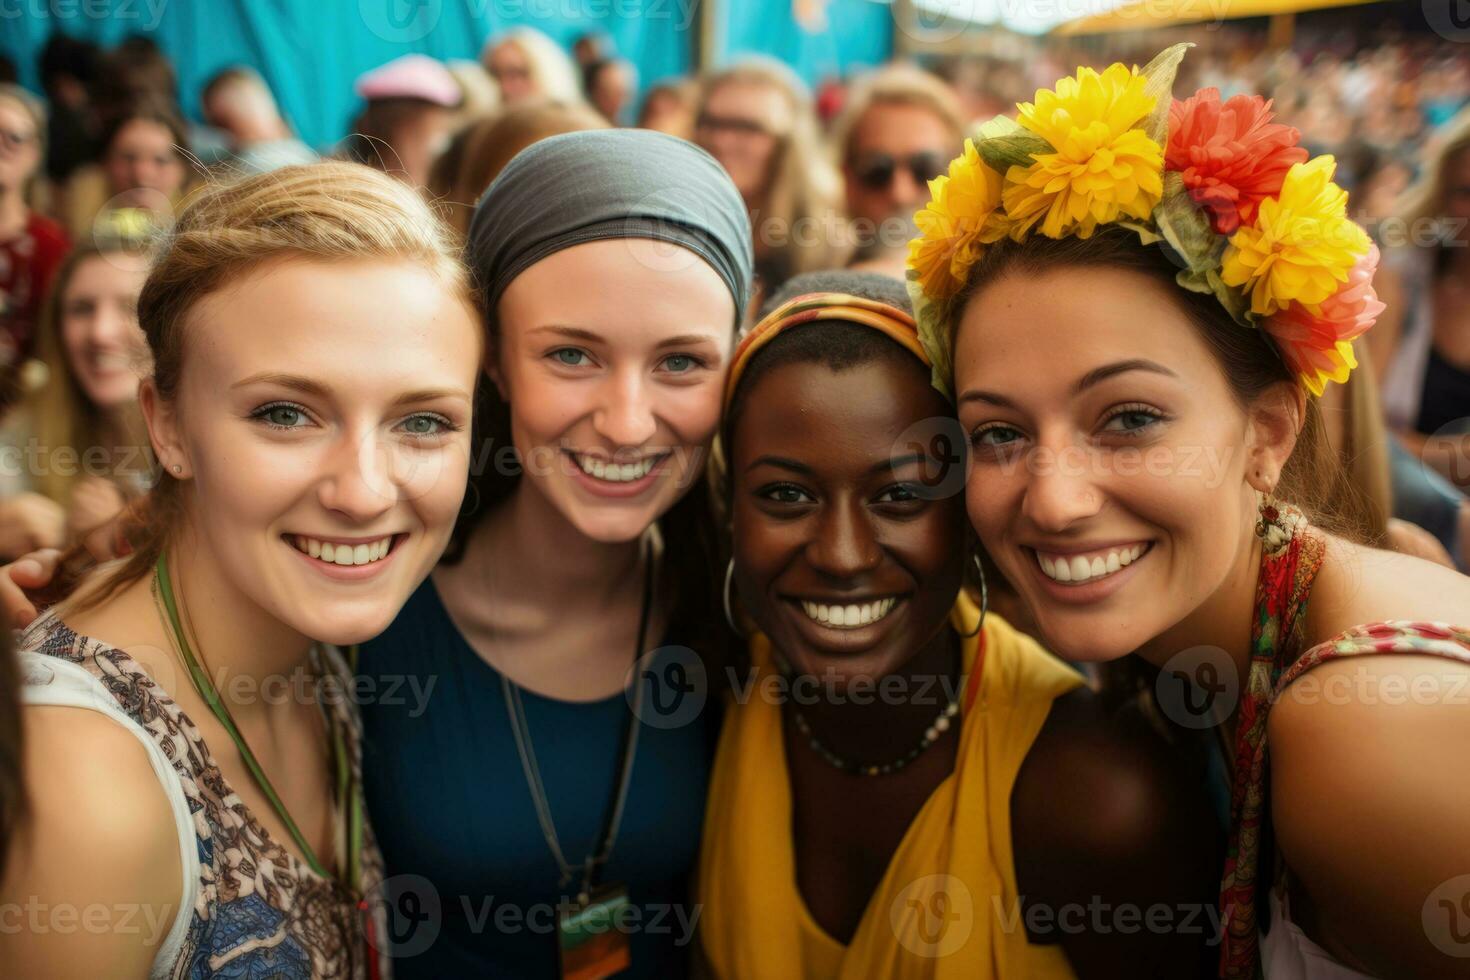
pixel 1368 807
pixel 1359 585
pixel 96 869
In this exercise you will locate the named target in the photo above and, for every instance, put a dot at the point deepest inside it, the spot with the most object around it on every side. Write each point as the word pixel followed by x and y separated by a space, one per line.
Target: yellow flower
pixel 1103 167
pixel 962 215
pixel 1302 245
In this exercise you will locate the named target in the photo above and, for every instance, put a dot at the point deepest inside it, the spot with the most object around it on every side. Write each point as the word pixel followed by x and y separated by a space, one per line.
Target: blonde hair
pixel 895 85
pixel 64 416
pixel 551 68
pixel 331 210
pixel 803 183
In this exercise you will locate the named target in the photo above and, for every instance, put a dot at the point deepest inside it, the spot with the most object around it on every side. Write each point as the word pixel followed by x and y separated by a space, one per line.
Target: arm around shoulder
pixel 94 877
pixel 1116 846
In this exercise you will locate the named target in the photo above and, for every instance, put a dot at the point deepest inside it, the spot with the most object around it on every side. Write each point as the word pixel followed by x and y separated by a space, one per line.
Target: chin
pixel 1085 640
pixel 348 626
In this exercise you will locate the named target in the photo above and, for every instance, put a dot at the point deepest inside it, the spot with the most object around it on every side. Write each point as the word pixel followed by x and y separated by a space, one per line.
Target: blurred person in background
pixel 238 102
pixel 899 129
pixel 756 119
pixel 68 69
pixel 611 84
pixel 491 143
pixel 408 119
pixel 590 48
pixel 85 417
pixel 527 64
pixel 31 245
pixel 479 95
pixel 144 169
pixel 668 107
pixel 1423 339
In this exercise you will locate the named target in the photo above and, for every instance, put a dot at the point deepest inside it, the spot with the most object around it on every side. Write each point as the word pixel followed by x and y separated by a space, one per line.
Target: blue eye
pixel 995 435
pixel 681 363
pixel 570 356
pixel 427 425
pixel 281 415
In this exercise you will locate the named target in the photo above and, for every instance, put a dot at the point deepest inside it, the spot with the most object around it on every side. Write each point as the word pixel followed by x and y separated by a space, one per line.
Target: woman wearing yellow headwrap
pixel 900 777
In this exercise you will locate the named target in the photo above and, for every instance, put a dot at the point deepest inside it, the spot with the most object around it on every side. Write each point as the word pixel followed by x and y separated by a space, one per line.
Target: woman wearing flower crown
pixel 1134 301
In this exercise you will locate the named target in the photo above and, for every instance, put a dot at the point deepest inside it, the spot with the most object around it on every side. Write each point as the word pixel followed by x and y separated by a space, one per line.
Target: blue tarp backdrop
pixel 311 50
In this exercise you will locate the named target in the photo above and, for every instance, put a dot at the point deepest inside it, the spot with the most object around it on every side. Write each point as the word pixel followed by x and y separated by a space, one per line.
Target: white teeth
pixel 616 472
pixel 849 616
pixel 343 554
pixel 1079 568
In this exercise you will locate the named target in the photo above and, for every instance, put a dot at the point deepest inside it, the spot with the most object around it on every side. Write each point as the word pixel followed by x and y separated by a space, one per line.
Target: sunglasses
pixel 876 171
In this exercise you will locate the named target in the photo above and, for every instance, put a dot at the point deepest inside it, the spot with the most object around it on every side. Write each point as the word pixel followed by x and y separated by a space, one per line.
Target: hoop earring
pixel 984 599
pixel 725 596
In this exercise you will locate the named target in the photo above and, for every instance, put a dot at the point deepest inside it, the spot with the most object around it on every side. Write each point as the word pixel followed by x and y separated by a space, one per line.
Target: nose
pixel 844 546
pixel 904 190
pixel 1062 488
pixel 625 416
pixel 360 479
pixel 109 326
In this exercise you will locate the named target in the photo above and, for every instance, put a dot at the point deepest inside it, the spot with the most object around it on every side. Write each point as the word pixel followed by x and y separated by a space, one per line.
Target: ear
pixel 163 431
pixel 1274 421
pixel 491 365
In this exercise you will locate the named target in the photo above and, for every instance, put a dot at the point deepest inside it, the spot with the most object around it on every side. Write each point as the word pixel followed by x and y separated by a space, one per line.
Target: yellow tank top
pixel 947 906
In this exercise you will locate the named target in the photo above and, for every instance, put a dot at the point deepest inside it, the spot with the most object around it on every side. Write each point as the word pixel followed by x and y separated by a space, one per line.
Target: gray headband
pixel 612 183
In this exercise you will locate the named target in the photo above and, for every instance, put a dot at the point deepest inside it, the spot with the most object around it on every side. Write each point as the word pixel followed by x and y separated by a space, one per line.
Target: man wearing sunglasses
pixel 900 128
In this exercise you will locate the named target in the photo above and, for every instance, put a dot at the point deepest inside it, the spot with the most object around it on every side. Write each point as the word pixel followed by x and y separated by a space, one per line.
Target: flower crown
pixel 1249 218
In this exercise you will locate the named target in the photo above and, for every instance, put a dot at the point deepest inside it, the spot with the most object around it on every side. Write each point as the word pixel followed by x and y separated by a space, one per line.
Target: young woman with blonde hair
pixel 756 118
pixel 192 756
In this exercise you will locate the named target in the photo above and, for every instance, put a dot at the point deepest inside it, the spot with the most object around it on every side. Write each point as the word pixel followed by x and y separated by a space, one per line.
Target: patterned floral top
pixel 1292 555
pixel 259 911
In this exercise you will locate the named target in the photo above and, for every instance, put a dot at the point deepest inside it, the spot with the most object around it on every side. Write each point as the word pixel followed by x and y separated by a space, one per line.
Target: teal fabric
pixel 311 50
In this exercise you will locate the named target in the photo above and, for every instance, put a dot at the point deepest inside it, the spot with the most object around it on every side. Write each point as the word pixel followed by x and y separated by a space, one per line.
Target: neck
pixel 246 651
pixel 553 559
pixel 1222 621
pixel 860 724
pixel 13 212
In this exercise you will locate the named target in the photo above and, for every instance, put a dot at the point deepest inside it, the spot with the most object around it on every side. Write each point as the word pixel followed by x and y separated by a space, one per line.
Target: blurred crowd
pixel 831 177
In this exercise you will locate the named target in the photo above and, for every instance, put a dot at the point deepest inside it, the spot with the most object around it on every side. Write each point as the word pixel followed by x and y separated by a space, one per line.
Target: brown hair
pixel 328 211
pixel 1312 478
pixel 489 145
pixel 896 85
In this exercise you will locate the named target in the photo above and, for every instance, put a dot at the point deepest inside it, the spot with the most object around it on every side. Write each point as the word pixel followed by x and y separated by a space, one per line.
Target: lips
pixel 610 471
pixel 848 615
pixel 340 552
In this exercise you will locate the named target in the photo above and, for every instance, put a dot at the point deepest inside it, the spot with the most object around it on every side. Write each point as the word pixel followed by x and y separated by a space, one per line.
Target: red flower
pixel 1231 156
pixel 1317 345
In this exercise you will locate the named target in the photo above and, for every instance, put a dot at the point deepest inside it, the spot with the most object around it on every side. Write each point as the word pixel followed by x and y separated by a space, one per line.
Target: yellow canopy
pixel 1141 15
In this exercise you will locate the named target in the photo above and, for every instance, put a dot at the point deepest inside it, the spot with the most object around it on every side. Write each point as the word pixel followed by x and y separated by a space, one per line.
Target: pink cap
pixel 413 76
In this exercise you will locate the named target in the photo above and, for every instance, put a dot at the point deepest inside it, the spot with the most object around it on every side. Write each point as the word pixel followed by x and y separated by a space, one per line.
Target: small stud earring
pixel 178 468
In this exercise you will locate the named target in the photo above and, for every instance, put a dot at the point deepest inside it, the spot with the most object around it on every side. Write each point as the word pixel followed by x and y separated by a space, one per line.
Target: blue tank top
pixel 473 887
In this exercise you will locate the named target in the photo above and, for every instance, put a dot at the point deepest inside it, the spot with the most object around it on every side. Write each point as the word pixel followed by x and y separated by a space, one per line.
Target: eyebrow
pixel 1094 377
pixel 581 333
pixel 307 386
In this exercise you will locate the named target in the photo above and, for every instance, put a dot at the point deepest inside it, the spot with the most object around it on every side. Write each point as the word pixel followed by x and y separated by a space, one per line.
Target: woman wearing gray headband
pixel 539 826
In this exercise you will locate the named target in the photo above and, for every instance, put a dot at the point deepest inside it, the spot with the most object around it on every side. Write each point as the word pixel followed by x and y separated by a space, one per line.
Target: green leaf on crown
pixel 1004 143
pixel 1160 84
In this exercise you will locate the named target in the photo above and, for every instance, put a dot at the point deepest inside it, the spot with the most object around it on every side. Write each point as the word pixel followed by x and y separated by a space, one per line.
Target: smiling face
pixel 322 478
pixel 20 145
pixel 1111 457
pixel 612 356
pixel 837 560
pixel 104 347
pixel 142 165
